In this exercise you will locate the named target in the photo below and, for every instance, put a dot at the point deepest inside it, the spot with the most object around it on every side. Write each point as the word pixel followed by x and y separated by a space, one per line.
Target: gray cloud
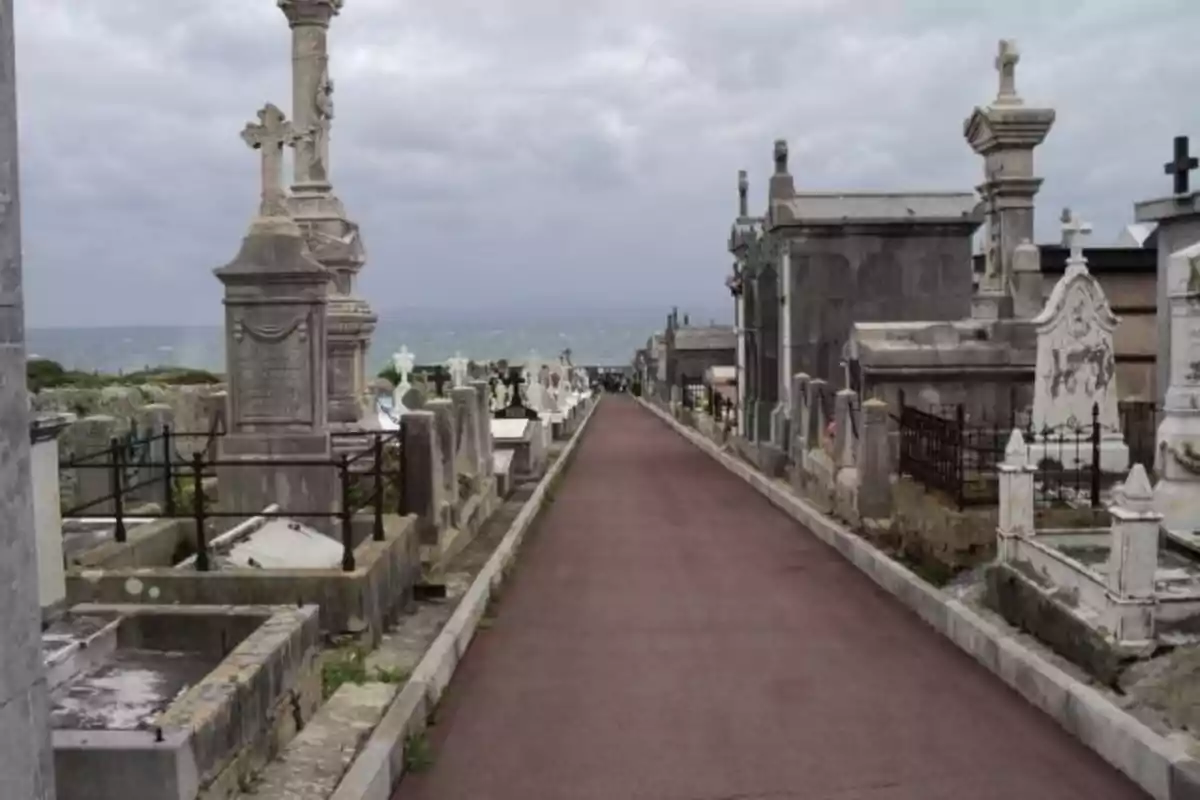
pixel 518 151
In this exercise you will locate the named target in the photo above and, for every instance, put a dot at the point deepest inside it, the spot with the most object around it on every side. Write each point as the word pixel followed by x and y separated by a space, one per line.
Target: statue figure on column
pixel 323 105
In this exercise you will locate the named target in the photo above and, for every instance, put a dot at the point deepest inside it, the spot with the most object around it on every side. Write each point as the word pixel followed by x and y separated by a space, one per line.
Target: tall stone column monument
pixel 1005 133
pixel 333 239
pixel 275 298
pixel 26 758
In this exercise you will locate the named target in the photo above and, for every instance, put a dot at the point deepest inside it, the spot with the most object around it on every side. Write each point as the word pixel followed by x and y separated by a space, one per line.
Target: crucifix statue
pixel 1074 229
pixel 270 134
pixel 1006 64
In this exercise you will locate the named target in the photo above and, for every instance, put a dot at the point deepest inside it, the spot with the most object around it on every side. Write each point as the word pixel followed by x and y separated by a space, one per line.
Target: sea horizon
pixel 595 338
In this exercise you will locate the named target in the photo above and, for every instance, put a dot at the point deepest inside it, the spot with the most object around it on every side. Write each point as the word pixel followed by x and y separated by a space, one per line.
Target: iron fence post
pixel 347 516
pixel 168 470
pixel 378 480
pixel 959 454
pixel 198 513
pixel 117 467
pixel 1095 455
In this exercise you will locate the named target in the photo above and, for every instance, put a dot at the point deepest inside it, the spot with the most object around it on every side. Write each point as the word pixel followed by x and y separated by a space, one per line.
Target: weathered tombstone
pixel 275 296
pixel 1177 494
pixel 1076 370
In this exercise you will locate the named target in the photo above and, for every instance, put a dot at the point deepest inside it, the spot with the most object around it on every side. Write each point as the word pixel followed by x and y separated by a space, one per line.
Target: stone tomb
pixel 176 703
pixel 524 438
pixel 271 561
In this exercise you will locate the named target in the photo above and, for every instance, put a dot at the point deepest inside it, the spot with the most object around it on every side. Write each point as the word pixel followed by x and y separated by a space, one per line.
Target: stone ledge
pixel 378 767
pixel 1161 766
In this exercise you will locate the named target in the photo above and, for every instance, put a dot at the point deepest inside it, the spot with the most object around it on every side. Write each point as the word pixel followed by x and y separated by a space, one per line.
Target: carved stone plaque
pixel 274 367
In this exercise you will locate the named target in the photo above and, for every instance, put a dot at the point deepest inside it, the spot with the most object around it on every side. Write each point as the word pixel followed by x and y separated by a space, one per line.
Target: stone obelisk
pixel 27 760
pixel 333 239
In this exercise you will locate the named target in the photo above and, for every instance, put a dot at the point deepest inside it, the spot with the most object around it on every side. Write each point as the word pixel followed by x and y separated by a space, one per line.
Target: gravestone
pixel 1177 494
pixel 1076 369
pixel 1178 228
pixel 458 368
pixel 275 296
pixel 27 760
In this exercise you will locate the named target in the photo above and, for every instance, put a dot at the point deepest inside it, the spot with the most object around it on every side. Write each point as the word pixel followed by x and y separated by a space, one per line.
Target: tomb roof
pixel 716 337
pixel 825 208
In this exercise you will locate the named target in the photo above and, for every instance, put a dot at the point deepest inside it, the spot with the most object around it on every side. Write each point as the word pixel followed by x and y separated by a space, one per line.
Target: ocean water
pixel 607 338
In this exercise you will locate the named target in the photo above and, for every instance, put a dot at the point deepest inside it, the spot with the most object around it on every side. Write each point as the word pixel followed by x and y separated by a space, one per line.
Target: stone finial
pixel 1007 59
pixel 1136 494
pixel 310 12
pixel 781 156
pixel 743 190
pixel 1016 453
pixel 1074 229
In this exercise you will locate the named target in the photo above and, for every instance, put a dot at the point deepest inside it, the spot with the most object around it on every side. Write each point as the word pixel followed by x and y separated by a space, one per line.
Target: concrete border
pixel 379 765
pixel 1161 766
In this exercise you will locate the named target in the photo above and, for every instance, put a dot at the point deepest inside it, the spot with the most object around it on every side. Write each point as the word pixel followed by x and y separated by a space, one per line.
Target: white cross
pixel 1074 229
pixel 458 369
pixel 1006 64
pixel 403 361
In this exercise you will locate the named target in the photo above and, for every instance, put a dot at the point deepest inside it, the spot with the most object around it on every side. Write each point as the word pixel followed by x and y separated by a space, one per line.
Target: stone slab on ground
pixel 1162 766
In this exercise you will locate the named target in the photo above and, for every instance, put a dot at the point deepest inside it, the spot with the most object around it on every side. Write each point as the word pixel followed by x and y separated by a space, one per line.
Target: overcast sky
pixel 550 153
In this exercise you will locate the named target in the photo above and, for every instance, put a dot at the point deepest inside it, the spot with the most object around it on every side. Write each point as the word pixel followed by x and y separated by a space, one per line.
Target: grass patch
pixel 349 665
pixel 418 754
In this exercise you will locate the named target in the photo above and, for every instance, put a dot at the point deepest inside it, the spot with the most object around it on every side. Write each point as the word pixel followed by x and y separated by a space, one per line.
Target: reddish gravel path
pixel 669 635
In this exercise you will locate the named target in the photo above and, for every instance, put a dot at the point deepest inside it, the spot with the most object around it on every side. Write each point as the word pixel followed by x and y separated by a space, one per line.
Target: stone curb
pixel 379 765
pixel 1161 766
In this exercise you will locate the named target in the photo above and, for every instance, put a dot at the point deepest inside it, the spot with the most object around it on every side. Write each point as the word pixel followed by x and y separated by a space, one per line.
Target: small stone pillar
pixel 443 421
pixel 151 420
pixel 86 439
pixel 1016 496
pixel 1133 558
pixel 1028 295
pixel 47 510
pixel 275 298
pixel 423 475
pixel 845 443
pixel 817 415
pixel 483 420
pixel 874 463
pixel 466 412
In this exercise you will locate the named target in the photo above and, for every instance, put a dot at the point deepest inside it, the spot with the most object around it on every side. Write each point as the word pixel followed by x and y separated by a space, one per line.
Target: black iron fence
pixel 948 452
pixel 370 478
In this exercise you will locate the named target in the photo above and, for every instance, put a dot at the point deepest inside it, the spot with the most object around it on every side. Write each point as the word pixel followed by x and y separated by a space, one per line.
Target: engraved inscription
pixel 274 369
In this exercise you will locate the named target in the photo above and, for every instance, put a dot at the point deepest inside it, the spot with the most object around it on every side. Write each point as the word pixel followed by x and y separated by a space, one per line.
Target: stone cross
pixel 1006 64
pixel 458 370
pixel 1181 165
pixel 403 361
pixel 1074 229
pixel 269 135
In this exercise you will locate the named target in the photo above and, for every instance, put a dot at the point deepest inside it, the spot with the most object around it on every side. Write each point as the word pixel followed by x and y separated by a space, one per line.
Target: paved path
pixel 669 635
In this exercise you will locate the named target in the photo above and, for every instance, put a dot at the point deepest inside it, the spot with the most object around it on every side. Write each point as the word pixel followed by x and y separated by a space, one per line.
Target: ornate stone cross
pixel 269 135
pixel 1181 165
pixel 403 361
pixel 1074 229
pixel 1006 64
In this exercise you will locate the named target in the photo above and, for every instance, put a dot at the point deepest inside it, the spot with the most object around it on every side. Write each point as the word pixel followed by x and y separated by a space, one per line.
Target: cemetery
pixel 261 583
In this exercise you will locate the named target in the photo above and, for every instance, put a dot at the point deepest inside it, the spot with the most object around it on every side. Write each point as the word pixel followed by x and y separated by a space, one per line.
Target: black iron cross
pixel 440 379
pixel 1181 165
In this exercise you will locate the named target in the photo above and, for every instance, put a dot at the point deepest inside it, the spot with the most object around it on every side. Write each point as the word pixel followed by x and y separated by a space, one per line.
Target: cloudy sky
pixel 553 154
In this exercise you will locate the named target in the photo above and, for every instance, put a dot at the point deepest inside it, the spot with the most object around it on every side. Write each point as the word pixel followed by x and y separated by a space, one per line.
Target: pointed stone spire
pixel 1016 453
pixel 1136 494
